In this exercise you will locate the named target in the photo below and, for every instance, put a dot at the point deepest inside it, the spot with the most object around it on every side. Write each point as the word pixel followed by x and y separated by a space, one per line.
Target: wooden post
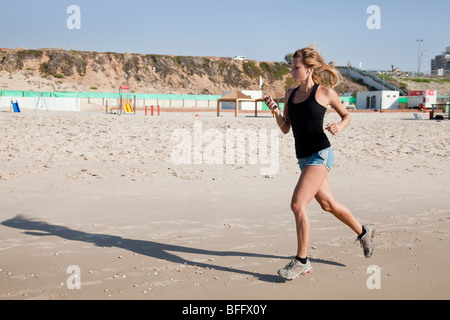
pixel 236 109
pixel 120 106
pixel 106 106
pixel 256 109
pixel 218 108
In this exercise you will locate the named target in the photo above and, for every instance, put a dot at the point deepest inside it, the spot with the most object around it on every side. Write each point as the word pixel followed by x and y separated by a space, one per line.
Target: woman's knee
pixel 326 206
pixel 298 209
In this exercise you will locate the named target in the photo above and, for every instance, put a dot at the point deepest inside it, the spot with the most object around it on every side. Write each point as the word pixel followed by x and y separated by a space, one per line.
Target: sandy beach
pixel 105 194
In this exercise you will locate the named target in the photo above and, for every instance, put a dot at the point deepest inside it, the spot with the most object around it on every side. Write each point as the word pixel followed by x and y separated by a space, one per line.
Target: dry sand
pixel 103 193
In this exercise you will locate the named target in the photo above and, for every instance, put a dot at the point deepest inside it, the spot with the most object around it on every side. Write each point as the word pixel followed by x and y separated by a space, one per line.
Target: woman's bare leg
pixel 308 186
pixel 326 200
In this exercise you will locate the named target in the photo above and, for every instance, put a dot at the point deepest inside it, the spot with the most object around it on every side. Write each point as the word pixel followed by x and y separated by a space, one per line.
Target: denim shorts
pixel 323 157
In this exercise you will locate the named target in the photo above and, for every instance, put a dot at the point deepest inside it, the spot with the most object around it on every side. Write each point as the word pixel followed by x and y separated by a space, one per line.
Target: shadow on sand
pixel 146 248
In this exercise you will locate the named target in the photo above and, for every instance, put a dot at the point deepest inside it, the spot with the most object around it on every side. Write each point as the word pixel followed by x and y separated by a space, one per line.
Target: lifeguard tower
pixel 125 100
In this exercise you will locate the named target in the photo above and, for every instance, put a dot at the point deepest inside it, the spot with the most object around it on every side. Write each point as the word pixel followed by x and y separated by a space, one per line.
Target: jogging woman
pixel 305 108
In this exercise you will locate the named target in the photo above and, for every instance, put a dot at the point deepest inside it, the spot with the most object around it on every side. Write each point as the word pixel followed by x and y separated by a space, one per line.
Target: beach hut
pixel 236 97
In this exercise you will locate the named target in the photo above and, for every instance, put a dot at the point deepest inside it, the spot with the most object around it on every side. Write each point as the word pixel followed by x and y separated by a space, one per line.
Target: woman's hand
pixel 271 104
pixel 333 128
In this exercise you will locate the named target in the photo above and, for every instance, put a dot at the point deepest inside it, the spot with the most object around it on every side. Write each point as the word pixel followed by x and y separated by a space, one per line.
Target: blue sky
pixel 258 29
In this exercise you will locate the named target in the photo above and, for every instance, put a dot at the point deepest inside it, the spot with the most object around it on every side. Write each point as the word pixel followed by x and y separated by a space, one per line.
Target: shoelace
pixel 290 264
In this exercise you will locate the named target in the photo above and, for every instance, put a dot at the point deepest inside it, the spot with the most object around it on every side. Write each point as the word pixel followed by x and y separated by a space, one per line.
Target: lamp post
pixel 418 68
pixel 421 58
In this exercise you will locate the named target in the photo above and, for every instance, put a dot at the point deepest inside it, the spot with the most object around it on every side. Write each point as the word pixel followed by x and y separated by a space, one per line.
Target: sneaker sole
pixel 373 248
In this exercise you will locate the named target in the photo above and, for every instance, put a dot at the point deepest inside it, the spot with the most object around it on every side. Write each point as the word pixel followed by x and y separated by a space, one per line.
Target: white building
pixel 255 94
pixel 245 105
pixel 377 100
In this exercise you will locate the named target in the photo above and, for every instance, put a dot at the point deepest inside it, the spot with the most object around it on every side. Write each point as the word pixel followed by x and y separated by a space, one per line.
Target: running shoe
pixel 295 268
pixel 367 240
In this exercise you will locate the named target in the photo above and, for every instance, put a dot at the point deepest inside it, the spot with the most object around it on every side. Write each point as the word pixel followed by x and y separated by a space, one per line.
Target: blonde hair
pixel 324 74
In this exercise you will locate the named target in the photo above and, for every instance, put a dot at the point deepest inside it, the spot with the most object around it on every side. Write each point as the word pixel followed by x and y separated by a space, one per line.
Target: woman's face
pixel 299 71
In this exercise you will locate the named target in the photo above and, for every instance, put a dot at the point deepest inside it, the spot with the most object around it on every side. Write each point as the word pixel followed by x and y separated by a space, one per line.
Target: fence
pixel 50 104
pixel 100 98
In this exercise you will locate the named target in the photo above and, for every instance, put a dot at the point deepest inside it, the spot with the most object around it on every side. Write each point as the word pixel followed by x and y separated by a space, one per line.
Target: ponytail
pixel 324 74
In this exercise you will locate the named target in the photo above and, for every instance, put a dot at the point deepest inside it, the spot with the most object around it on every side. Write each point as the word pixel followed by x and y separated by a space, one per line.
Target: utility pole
pixel 418 68
pixel 421 58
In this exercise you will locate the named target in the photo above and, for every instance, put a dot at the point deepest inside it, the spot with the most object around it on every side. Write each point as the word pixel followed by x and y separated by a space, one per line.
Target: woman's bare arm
pixel 336 104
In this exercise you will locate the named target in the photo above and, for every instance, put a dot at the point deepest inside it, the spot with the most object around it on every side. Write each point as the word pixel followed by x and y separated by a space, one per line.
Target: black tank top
pixel 307 124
